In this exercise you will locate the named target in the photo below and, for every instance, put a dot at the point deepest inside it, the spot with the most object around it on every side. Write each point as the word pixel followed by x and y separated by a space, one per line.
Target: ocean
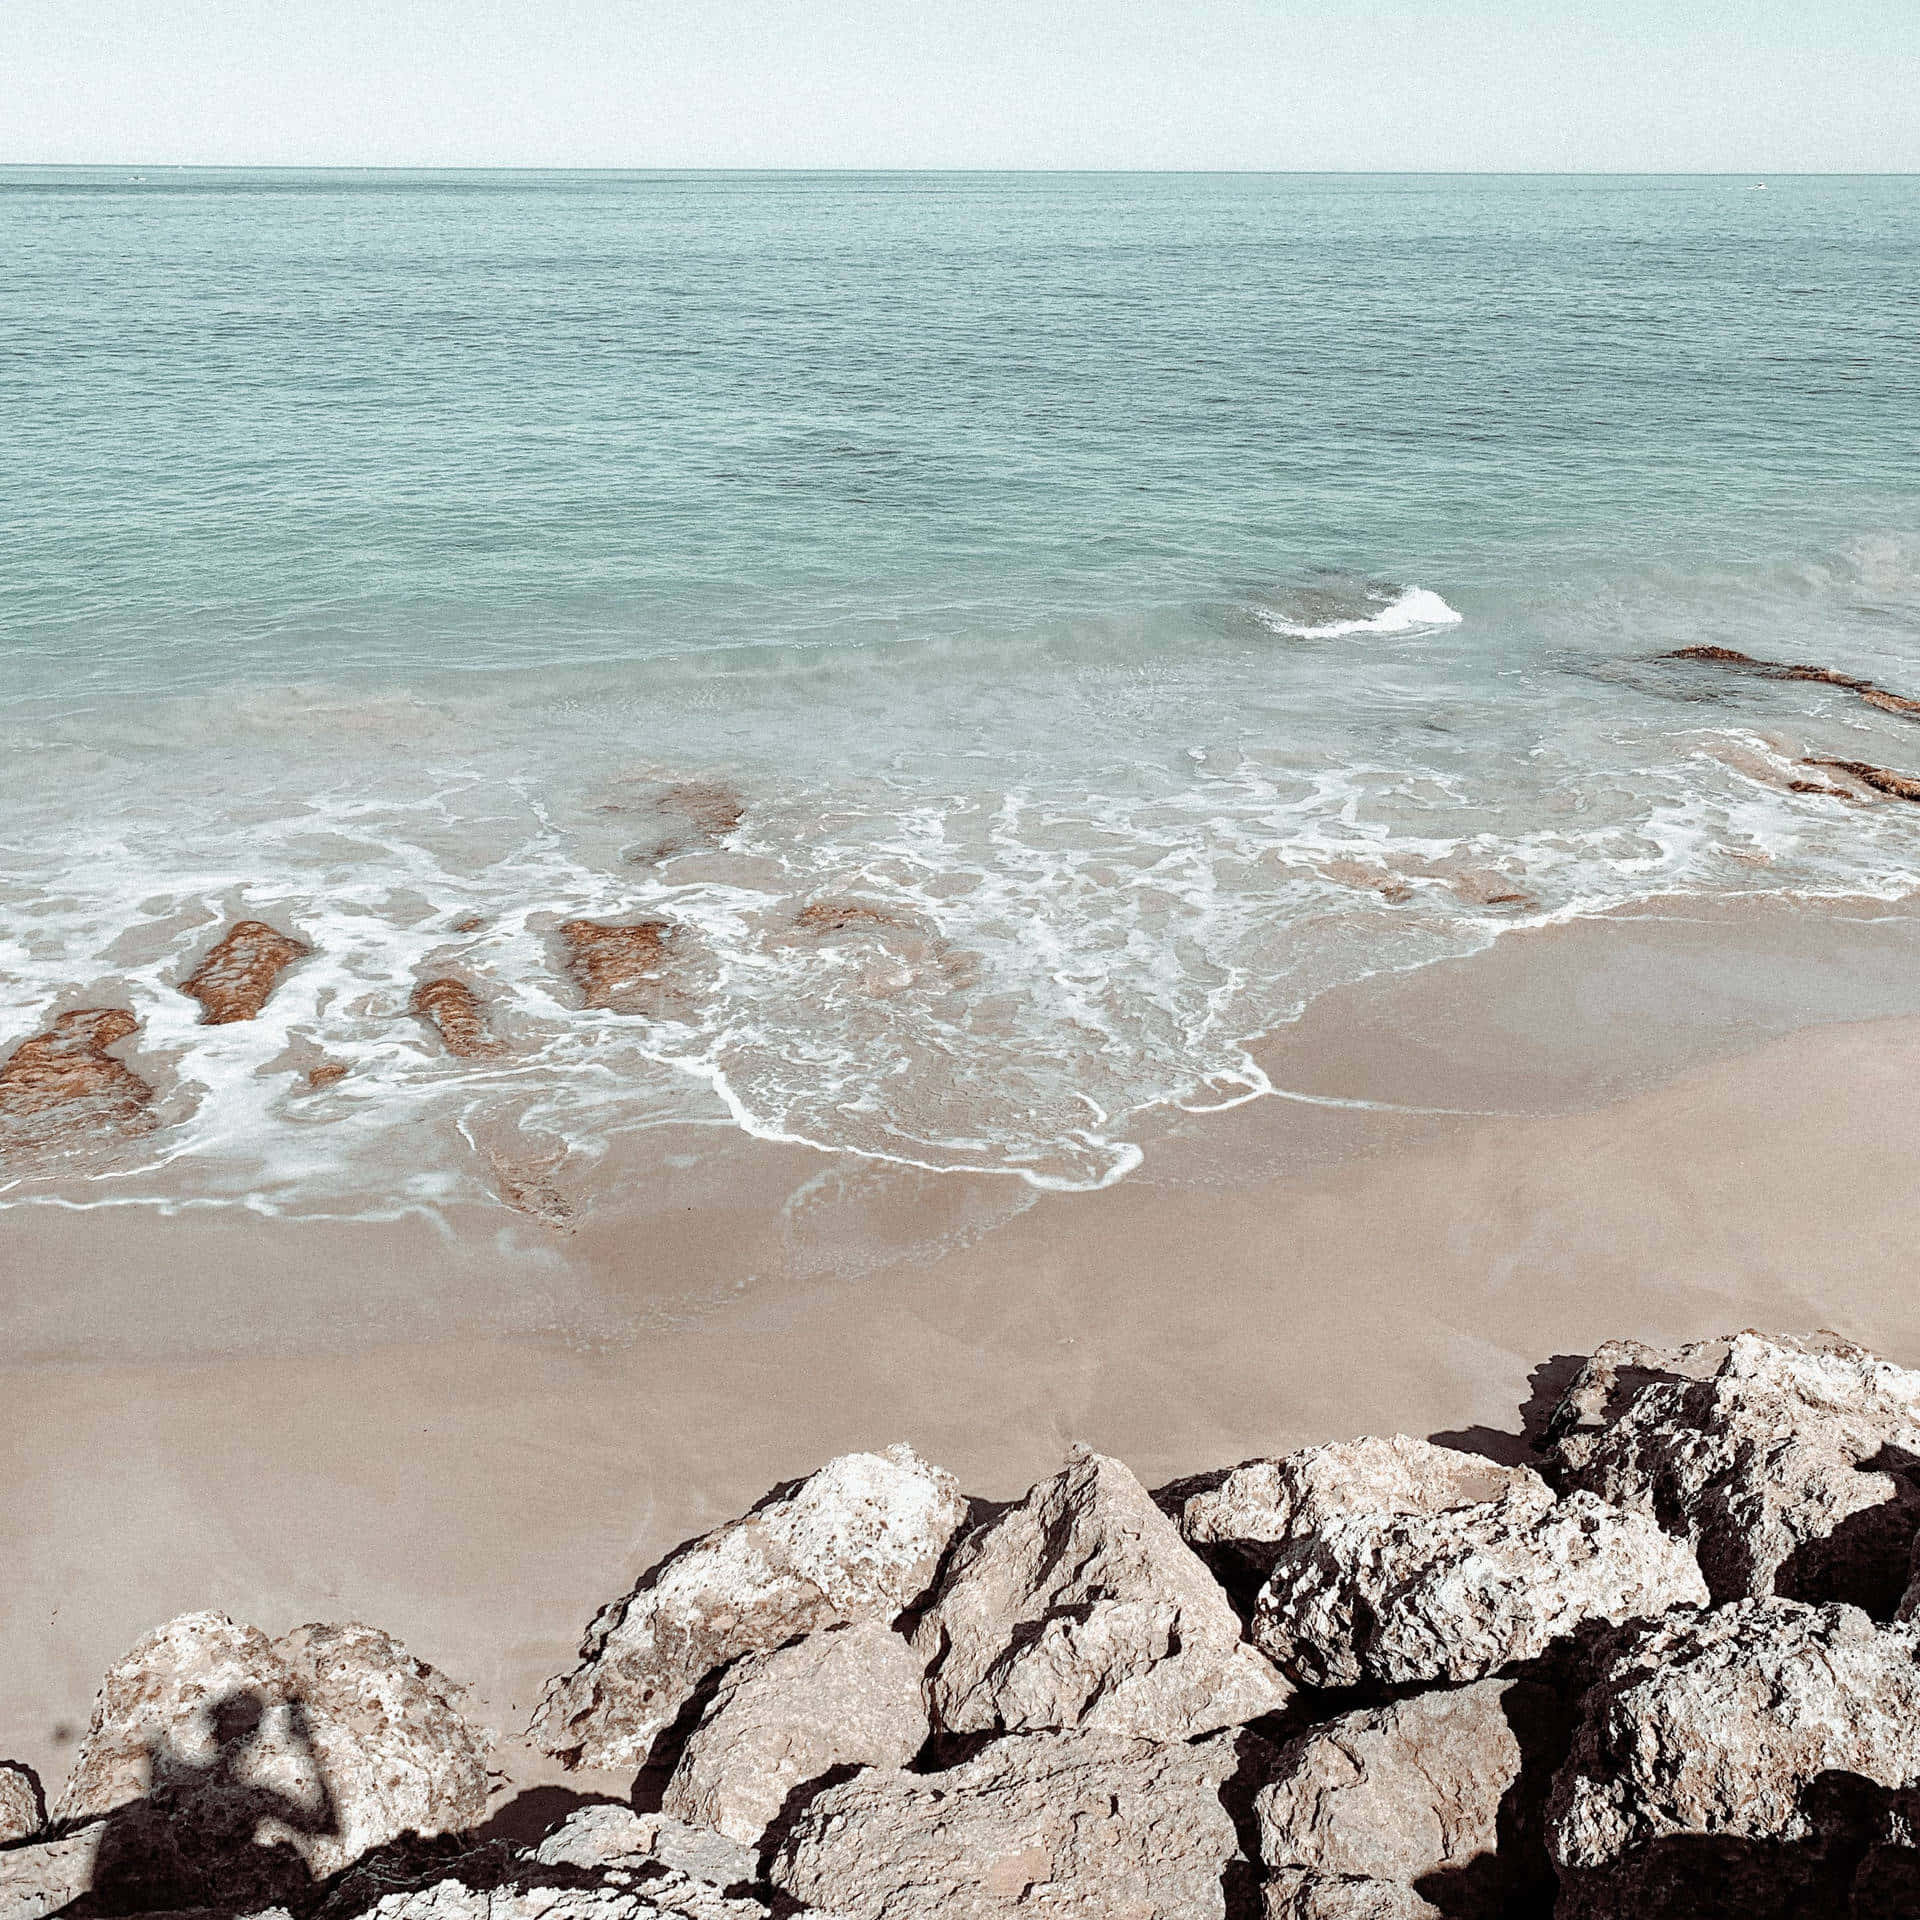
pixel 1015 639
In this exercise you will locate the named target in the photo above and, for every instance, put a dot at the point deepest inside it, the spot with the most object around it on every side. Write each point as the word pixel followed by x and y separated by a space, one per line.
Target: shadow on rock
pixel 1859 1862
pixel 206 1834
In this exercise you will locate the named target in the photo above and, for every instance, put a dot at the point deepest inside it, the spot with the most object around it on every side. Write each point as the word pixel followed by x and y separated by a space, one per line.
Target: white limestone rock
pixel 1756 1450
pixel 1364 1807
pixel 1266 1504
pixel 858 1540
pixel 1082 1607
pixel 225 1762
pixel 1075 1826
pixel 40 1878
pixel 1706 1731
pixel 657 1896
pixel 23 1808
pixel 846 1696
pixel 1429 1565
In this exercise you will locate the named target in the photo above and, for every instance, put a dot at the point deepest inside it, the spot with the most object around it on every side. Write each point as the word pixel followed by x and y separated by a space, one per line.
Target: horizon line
pixel 498 166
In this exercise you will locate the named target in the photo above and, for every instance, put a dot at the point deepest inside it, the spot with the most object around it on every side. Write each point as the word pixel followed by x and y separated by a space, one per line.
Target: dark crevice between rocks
pixel 535 1812
pixel 1240 1883
pixel 650 1783
pixel 793 1806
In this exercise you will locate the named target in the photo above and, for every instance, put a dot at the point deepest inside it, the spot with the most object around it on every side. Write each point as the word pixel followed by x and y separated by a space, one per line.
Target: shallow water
pixel 1120 608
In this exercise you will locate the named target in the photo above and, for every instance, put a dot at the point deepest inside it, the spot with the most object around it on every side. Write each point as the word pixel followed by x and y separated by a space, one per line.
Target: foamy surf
pixel 1402 610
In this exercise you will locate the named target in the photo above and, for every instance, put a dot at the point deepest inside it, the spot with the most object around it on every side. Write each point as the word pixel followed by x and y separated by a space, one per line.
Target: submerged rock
pixel 63 1084
pixel 1784 1462
pixel 682 818
pixel 621 969
pixel 454 1011
pixel 1072 1825
pixel 1374 1810
pixel 1901 786
pixel 859 1540
pixel 1738 1761
pixel 1780 670
pixel 843 1697
pixel 241 970
pixel 1403 1563
pixel 1082 1607
pixel 227 1765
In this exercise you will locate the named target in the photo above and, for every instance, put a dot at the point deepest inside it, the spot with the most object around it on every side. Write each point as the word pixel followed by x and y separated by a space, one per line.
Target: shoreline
pixel 472 1435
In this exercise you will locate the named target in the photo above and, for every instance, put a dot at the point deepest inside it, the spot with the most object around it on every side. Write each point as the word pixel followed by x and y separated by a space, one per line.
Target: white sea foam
pixel 1079 891
pixel 1407 610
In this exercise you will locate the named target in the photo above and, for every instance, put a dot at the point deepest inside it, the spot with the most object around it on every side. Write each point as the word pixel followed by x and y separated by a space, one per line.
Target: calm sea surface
pixel 1116 608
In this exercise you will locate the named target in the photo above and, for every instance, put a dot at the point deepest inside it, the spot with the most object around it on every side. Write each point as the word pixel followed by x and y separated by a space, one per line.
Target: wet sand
pixel 474 1432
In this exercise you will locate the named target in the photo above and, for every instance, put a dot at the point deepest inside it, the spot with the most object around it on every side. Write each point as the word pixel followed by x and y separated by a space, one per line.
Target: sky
pixel 1534 85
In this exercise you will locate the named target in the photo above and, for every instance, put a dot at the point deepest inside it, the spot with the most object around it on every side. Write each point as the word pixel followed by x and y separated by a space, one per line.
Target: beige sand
pixel 474 1436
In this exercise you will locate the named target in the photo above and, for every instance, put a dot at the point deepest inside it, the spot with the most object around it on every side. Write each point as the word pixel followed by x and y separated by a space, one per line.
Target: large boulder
pixel 1402 1563
pixel 859 1540
pixel 1738 1761
pixel 844 1697
pixel 1264 1506
pixel 1785 1462
pixel 1372 1812
pixel 47 1874
pixel 1071 1825
pixel 23 1808
pixel 1082 1607
pixel 222 1763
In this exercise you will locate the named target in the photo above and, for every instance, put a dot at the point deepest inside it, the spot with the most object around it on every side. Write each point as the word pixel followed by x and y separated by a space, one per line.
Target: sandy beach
pixel 473 1431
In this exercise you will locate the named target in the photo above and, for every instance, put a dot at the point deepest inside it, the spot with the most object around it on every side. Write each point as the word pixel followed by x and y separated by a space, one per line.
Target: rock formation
pixel 1778 670
pixel 1711 1739
pixel 1402 1563
pixel 241 970
pixel 1784 1462
pixel 1082 1607
pixel 63 1084
pixel 1899 786
pixel 1084 1826
pixel 453 1010
pixel 221 1761
pixel 1366 1811
pixel 859 1540
pixel 844 1697
pixel 23 1808
pixel 1557 1716
pixel 621 969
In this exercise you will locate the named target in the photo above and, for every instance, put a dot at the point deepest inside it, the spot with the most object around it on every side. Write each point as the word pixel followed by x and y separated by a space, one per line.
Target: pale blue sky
pixel 1744 85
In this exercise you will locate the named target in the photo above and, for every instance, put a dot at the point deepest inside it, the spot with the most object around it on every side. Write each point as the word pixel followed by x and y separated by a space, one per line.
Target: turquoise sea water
pixel 1149 600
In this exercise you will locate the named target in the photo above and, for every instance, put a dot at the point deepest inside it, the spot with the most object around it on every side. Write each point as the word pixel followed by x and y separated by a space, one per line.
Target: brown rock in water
pixel 1902 786
pixel 453 1010
pixel 682 819
pixel 1784 1462
pixel 1354 873
pixel 845 1697
pixel 1083 1607
pixel 1738 1762
pixel 858 1540
pixel 230 1767
pixel 328 1073
pixel 1482 887
pixel 238 974
pixel 1079 1826
pixel 621 969
pixel 1781 670
pixel 63 1084
pixel 1367 1809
